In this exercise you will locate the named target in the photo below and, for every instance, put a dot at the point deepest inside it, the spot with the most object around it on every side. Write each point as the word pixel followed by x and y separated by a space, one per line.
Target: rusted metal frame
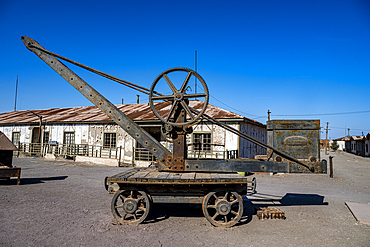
pixel 257 142
pixel 103 104
pixel 217 182
pixel 177 199
pixel 234 165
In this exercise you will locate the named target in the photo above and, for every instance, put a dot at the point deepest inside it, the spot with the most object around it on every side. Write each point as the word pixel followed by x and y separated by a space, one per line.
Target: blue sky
pixel 299 59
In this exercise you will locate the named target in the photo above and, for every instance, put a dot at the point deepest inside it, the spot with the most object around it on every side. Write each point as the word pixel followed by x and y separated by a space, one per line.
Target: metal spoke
pixel 198 95
pixel 131 193
pixel 134 216
pixel 211 206
pixel 187 110
pixel 233 212
pixel 124 216
pixel 183 87
pixel 236 200
pixel 214 195
pixel 214 216
pixel 225 197
pixel 225 218
pixel 164 97
pixel 142 209
pixel 118 206
pixel 174 90
pixel 171 110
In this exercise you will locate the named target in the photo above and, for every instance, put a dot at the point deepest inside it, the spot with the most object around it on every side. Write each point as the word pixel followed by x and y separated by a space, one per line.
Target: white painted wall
pixel 92 134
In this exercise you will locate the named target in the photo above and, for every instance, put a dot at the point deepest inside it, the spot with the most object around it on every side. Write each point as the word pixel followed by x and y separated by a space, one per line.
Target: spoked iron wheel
pixel 130 206
pixel 223 207
pixel 178 96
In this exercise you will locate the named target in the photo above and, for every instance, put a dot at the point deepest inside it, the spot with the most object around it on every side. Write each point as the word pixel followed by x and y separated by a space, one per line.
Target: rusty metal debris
pixel 270 213
pixel 7 170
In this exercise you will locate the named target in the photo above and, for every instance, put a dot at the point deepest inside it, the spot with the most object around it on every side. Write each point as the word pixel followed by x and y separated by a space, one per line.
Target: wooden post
pixel 119 157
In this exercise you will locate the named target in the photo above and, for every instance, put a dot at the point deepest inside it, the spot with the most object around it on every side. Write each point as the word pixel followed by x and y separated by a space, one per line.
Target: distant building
pixel 367 145
pixel 358 145
pixel 87 131
pixel 341 142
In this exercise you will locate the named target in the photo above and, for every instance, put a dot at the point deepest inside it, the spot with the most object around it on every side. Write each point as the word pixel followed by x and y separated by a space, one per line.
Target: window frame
pixel 204 146
pixel 110 146
pixel 65 133
pixel 19 137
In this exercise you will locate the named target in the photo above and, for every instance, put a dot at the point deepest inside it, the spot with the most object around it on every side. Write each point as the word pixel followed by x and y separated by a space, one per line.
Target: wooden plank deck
pixel 153 176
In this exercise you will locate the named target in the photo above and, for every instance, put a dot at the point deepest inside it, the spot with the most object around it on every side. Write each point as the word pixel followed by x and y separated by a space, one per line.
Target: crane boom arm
pixel 152 145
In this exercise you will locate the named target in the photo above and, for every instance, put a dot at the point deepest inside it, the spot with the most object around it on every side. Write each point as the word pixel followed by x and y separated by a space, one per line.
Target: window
pixel 69 138
pixel 46 137
pixel 109 140
pixel 16 138
pixel 202 141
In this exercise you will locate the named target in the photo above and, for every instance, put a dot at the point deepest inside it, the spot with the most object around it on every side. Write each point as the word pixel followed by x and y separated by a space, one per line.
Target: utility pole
pixel 195 82
pixel 16 92
pixel 348 131
pixel 268 115
pixel 326 141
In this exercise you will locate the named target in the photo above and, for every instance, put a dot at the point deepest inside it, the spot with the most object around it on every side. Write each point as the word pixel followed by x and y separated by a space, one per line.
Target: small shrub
pixel 334 146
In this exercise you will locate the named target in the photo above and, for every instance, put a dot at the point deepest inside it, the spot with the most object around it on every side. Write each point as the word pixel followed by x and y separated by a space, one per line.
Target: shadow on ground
pixel 289 199
pixel 163 211
pixel 25 181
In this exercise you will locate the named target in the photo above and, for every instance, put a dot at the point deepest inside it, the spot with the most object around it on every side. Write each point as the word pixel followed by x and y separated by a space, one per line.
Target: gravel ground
pixel 62 203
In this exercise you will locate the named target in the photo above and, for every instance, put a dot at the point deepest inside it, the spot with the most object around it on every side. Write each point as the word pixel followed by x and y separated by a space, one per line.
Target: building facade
pixel 87 133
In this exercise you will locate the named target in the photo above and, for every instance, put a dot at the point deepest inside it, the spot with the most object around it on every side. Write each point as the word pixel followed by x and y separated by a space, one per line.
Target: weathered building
pixel 88 132
pixel 358 145
pixel 341 142
pixel 367 144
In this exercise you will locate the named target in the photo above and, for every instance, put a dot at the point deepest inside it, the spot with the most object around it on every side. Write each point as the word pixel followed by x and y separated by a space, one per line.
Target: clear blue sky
pixel 299 59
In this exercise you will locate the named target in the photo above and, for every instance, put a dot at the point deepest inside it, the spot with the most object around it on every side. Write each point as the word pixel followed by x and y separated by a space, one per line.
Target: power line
pixel 324 114
pixel 237 109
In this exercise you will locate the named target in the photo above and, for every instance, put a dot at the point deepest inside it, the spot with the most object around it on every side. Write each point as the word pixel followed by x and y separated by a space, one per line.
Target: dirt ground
pixel 62 203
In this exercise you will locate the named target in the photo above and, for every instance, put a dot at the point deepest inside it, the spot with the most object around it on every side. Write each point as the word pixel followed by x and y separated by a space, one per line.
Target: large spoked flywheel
pixel 173 86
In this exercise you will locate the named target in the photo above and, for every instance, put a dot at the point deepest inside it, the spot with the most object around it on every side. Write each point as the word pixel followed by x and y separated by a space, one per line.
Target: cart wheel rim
pixel 223 207
pixel 131 206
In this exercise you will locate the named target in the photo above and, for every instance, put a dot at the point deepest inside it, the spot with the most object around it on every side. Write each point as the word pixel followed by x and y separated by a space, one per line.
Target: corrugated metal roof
pixel 346 138
pixel 357 138
pixel 137 112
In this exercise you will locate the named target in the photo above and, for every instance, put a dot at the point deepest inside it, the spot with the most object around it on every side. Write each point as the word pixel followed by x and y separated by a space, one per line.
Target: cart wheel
pixel 130 206
pixel 223 207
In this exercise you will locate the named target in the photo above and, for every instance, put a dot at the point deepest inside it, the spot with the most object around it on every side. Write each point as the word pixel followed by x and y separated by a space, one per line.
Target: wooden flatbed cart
pixel 176 178
pixel 220 194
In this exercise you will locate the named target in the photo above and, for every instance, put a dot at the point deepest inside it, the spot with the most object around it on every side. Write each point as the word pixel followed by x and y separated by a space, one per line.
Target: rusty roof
pixel 137 112
pixel 357 138
pixel 6 144
pixel 346 138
